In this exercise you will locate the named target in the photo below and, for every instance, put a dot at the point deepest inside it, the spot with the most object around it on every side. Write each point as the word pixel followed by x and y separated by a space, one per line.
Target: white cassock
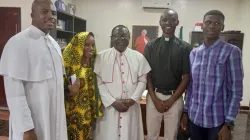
pixel 121 76
pixel 32 67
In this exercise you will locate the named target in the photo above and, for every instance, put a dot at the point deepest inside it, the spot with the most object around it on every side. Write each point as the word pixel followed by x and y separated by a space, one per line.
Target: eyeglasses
pixel 120 36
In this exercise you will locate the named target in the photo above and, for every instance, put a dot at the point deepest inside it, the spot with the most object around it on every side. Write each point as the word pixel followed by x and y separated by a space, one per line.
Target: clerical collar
pixel 37 32
pixel 168 39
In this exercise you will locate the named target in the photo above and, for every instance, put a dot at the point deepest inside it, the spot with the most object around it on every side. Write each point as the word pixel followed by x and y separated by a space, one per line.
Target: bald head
pixel 119 27
pixel 144 32
pixel 36 3
pixel 170 12
pixel 168 22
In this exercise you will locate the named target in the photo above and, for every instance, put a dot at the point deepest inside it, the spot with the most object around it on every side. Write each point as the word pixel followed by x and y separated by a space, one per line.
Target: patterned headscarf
pixel 72 56
pixel 75 50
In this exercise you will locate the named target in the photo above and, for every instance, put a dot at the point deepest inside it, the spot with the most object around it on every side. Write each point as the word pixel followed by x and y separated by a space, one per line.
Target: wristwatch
pixel 230 125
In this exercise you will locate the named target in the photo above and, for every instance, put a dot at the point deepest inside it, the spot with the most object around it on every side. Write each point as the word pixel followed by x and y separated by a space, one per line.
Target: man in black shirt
pixel 168 57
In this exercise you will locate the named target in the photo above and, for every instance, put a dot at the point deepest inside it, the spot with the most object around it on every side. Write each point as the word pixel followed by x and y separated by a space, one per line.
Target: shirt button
pixel 122 72
pixel 120 117
pixel 121 63
pixel 119 135
pixel 120 126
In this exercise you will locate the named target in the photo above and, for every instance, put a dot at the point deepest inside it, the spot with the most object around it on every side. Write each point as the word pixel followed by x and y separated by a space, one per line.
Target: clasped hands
pixel 122 105
pixel 163 106
pixel 30 135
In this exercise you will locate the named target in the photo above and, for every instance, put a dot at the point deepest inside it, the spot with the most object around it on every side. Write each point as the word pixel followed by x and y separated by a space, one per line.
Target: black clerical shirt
pixel 169 60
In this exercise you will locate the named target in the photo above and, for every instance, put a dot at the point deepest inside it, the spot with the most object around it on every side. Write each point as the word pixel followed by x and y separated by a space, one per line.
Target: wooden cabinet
pixel 67 27
pixel 235 38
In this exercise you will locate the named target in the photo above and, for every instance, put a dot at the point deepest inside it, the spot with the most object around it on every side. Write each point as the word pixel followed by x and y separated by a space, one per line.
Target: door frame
pixel 18 29
pixel 19 19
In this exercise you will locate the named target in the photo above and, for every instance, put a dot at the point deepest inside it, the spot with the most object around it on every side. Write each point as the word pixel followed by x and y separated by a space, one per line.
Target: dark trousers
pixel 200 133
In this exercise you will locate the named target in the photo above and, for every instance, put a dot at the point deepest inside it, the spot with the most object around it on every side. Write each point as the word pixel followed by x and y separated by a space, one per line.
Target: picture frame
pixel 142 34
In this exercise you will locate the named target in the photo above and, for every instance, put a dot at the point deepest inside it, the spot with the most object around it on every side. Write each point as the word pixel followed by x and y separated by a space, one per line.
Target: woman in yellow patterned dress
pixel 84 106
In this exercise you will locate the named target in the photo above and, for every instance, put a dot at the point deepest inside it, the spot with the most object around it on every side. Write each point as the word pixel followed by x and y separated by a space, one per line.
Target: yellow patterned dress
pixel 83 108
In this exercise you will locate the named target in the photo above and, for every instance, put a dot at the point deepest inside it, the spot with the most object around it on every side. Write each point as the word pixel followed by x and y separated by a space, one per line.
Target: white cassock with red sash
pixel 121 76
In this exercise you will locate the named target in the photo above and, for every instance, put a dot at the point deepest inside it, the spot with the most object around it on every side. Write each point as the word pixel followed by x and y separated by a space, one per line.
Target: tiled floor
pixel 4 115
pixel 242 127
pixel 161 138
pixel 3 138
pixel 241 130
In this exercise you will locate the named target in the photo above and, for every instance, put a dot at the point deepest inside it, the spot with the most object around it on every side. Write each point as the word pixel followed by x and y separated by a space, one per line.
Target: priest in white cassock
pixel 122 78
pixel 32 67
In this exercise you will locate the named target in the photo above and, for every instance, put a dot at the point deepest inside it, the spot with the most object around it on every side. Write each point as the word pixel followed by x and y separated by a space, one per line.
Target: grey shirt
pixel 169 60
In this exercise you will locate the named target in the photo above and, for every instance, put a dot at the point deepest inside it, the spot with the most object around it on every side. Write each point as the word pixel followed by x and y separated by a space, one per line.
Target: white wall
pixel 68 1
pixel 103 15
pixel 245 22
pixel 25 9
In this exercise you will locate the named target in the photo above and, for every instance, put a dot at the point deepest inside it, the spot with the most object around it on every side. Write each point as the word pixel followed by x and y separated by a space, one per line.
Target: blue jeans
pixel 200 133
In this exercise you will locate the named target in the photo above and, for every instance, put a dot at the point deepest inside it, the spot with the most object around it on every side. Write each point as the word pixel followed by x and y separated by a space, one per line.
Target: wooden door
pixel 10 25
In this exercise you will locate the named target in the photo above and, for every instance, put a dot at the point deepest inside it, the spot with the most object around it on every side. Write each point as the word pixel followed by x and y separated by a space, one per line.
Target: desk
pixel 143 112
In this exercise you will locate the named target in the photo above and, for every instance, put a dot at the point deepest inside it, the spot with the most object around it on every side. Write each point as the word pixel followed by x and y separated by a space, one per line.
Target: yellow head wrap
pixel 72 56
pixel 74 51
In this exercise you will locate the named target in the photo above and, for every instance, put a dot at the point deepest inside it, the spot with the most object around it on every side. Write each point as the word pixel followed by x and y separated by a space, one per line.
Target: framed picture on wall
pixel 141 35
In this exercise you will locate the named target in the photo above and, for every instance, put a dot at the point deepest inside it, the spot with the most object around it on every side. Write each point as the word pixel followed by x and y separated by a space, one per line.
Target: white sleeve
pixel 18 106
pixel 141 87
pixel 106 97
pixel 144 69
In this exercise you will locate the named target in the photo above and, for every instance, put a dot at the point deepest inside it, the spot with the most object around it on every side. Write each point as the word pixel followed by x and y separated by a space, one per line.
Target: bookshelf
pixel 68 25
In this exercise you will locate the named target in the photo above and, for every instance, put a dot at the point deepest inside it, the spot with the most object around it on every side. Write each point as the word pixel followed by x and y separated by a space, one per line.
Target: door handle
pixel 16 28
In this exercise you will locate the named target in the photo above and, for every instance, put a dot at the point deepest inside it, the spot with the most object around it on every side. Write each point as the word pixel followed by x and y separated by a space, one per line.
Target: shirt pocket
pixel 217 70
